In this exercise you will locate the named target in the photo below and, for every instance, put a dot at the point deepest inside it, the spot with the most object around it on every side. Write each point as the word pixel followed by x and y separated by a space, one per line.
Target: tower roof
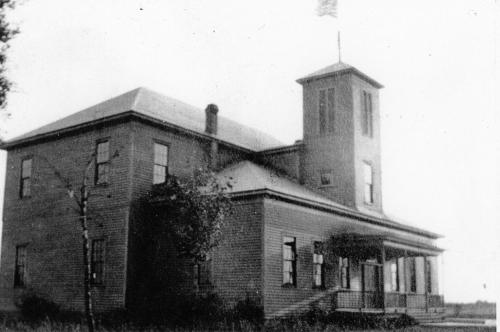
pixel 338 69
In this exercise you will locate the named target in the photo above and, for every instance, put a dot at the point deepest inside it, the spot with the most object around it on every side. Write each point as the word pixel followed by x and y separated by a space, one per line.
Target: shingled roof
pixel 153 105
pixel 247 178
pixel 338 69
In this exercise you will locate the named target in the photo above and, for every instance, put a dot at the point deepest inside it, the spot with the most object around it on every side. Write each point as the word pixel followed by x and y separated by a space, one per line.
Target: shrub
pixel 249 310
pixel 35 307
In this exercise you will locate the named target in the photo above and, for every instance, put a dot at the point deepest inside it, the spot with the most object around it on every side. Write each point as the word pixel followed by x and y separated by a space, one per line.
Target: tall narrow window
pixel 20 267
pixel 367 114
pixel 319 274
pixel 368 183
pixel 97 262
pixel 428 276
pixel 326 111
pixel 345 281
pixel 322 112
pixel 331 110
pixel 203 272
pixel 102 163
pixel 413 274
pixel 394 276
pixel 25 190
pixel 160 168
pixel 289 261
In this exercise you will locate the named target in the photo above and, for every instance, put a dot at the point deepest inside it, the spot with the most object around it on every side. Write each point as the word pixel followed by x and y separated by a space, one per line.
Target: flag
pixel 327 7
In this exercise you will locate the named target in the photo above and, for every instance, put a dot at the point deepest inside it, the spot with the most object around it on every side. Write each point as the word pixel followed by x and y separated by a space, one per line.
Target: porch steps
pixel 423 317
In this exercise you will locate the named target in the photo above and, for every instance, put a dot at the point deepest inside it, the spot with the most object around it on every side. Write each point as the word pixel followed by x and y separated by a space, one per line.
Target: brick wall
pixel 48 222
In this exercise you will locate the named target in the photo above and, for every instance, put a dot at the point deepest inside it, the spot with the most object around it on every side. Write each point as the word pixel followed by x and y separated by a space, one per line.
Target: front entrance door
pixel 372 285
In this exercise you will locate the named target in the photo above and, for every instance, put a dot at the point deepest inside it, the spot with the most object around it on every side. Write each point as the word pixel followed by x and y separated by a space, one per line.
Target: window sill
pixel 319 287
pixel 292 286
pixel 101 185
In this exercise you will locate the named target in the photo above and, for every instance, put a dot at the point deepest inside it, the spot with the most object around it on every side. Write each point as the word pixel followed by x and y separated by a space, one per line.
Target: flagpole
pixel 338 44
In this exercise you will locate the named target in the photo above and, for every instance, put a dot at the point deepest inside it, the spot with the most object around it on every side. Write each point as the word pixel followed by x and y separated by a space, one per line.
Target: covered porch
pixel 381 273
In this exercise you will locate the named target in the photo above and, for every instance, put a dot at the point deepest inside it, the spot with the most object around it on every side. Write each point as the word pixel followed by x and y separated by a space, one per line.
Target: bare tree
pixel 81 198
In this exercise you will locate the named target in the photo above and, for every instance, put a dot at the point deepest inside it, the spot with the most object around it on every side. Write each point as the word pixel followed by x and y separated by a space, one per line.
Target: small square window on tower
pixel 326 178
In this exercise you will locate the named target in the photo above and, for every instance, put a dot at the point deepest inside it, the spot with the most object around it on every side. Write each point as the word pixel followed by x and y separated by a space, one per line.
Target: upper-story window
pixel 368 183
pixel 102 163
pixel 367 114
pixel 319 267
pixel 326 111
pixel 25 189
pixel 160 168
pixel 20 267
pixel 289 261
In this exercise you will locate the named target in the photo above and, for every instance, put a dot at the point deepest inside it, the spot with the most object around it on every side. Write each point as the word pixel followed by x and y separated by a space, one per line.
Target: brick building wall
pixel 48 223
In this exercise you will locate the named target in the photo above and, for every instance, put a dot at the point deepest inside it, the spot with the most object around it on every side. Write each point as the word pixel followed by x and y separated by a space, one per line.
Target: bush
pixel 248 310
pixel 35 307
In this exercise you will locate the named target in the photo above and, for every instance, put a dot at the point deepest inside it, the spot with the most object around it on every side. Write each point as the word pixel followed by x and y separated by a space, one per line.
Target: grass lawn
pixel 51 326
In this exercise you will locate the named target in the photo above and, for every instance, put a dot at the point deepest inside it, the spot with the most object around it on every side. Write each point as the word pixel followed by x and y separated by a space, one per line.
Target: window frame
pixel 20 278
pixel 412 274
pixel 207 265
pixel 292 243
pixel 22 177
pixel 395 283
pixel 367 114
pixel 101 262
pixel 326 111
pixel 323 173
pixel 317 253
pixel 105 163
pixel 344 269
pixel 428 276
pixel 166 167
pixel 370 200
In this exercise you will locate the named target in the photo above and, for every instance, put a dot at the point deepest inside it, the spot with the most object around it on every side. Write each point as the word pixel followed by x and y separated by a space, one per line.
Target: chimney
pixel 211 119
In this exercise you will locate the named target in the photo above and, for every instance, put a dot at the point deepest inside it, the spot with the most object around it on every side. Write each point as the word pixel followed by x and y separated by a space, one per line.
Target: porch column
pixel 383 275
pixel 425 285
pixel 405 269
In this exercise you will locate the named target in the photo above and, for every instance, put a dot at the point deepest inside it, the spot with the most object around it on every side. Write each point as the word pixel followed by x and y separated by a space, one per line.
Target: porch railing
pixel 348 299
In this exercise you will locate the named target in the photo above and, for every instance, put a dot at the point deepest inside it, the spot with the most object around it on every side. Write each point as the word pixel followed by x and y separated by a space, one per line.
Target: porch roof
pixel 357 242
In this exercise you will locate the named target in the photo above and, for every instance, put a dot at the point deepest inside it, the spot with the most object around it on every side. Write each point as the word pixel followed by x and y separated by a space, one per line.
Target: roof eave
pixel 32 139
pixel 338 210
pixel 355 71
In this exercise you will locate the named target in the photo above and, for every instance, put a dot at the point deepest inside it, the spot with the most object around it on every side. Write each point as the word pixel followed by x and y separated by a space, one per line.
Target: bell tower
pixel 341 143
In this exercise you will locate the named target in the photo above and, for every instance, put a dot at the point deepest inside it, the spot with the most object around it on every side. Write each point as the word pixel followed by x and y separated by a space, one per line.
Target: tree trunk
pixel 86 259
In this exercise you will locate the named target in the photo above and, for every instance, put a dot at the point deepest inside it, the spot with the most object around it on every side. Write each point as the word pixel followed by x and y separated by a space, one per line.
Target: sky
pixel 439 108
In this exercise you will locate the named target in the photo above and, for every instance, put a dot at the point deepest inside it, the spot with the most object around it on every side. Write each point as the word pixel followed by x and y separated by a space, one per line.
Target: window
pixel 367 114
pixel 160 168
pixel 289 261
pixel 345 281
pixel 326 111
pixel 326 178
pixel 97 262
pixel 102 163
pixel 368 183
pixel 203 272
pixel 20 268
pixel 428 276
pixel 394 276
pixel 25 189
pixel 319 273
pixel 413 274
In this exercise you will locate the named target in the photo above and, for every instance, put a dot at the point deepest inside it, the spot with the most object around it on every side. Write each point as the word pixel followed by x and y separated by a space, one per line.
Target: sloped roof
pixel 168 110
pixel 248 177
pixel 337 69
